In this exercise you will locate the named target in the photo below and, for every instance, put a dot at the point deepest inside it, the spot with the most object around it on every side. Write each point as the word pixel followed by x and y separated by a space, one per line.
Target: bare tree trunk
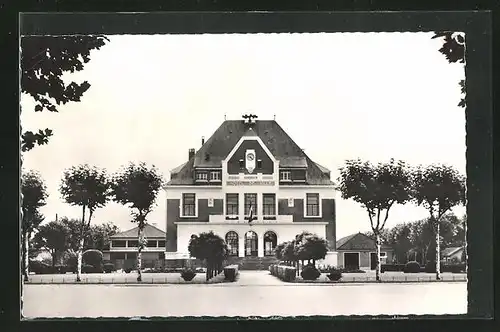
pixel 378 267
pixel 438 254
pixel 26 259
pixel 139 251
pixel 80 248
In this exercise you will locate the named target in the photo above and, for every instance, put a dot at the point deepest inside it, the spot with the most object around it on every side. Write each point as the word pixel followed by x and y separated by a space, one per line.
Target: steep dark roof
pixel 359 241
pixel 220 144
pixel 150 231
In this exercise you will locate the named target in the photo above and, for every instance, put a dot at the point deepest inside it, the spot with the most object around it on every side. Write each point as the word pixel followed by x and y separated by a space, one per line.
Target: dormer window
pixel 242 163
pixel 215 176
pixel 202 176
pixel 285 176
pixel 259 164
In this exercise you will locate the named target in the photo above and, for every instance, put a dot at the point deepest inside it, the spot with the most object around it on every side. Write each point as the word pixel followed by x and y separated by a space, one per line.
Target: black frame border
pixel 477 26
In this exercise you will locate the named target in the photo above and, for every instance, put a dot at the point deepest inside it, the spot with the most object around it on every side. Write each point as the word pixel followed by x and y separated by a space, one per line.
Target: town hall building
pixel 252 185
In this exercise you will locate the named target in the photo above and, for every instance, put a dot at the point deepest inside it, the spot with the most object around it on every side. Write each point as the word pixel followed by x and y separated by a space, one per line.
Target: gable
pixel 218 147
pixel 359 241
pixel 149 232
pixel 233 164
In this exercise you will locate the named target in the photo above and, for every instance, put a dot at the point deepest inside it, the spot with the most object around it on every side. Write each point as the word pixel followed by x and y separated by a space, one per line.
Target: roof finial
pixel 274 117
pixel 224 116
pixel 249 118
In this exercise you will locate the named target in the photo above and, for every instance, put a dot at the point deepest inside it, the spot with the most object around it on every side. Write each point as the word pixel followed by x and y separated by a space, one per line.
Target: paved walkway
pixel 257 278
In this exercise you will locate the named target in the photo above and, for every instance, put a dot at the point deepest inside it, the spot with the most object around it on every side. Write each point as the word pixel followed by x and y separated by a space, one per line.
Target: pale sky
pixel 338 95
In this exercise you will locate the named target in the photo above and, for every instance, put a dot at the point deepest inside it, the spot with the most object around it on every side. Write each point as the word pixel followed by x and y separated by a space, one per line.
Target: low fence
pixel 396 278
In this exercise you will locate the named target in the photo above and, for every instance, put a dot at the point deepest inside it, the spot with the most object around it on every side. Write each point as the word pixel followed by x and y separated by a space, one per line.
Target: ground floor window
pixel 270 242
pixel 251 244
pixel 232 243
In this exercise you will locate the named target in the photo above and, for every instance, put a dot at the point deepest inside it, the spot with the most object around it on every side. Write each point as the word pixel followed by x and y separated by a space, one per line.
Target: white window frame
pixel 181 206
pixel 218 179
pixel 320 206
pixel 275 205
pixel 198 178
pixel 289 176
pixel 232 216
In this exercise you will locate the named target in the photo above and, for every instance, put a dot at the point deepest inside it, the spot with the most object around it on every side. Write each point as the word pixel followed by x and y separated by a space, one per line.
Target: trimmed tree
pixel 34 194
pixel 311 247
pixel 137 186
pixel 438 188
pixel 377 188
pixel 44 61
pixel 210 248
pixel 51 237
pixel 89 188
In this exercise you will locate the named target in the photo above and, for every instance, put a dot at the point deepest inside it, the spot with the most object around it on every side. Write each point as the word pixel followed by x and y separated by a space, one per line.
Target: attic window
pixel 259 163
pixel 242 163
pixel 207 156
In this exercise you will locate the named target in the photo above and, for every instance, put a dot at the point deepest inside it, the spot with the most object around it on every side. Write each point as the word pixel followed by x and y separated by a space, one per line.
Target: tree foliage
pixel 137 186
pixel 454 50
pixel 86 186
pixel 44 61
pixel 376 187
pixel 310 247
pixel 35 194
pixel 438 188
pixel 52 237
pixel 209 247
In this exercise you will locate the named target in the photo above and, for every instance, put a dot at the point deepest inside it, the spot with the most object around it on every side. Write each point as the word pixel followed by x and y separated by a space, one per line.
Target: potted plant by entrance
pixel 188 274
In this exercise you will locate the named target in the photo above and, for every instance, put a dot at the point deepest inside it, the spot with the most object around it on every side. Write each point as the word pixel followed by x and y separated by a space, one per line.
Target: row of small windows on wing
pixel 215 176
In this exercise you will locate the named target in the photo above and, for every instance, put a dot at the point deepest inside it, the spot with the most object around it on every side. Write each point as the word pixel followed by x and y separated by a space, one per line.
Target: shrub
pixel 453 268
pixel 109 267
pixel 285 273
pixel 188 274
pixel 334 274
pixel 351 270
pixel 38 267
pixel 230 272
pixel 412 267
pixel 92 257
pixel 392 268
pixel 310 272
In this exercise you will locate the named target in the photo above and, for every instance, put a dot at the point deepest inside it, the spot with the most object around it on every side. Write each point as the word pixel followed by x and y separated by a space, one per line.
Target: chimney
pixel 191 154
pixel 202 140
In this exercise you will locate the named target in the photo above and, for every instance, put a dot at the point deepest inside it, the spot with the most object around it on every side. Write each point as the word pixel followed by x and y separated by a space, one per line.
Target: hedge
pixel 392 268
pixel 230 272
pixel 283 272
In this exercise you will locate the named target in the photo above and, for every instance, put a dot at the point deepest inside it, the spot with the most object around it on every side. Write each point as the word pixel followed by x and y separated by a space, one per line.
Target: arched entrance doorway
pixel 251 244
pixel 232 243
pixel 270 242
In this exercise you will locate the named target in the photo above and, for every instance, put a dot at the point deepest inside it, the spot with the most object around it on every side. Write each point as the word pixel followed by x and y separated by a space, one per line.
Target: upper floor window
pixel 285 176
pixel 188 205
pixel 269 204
pixel 132 243
pixel 151 244
pixel 118 243
pixel 250 202
pixel 232 204
pixel 201 176
pixel 215 176
pixel 312 205
pixel 161 243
